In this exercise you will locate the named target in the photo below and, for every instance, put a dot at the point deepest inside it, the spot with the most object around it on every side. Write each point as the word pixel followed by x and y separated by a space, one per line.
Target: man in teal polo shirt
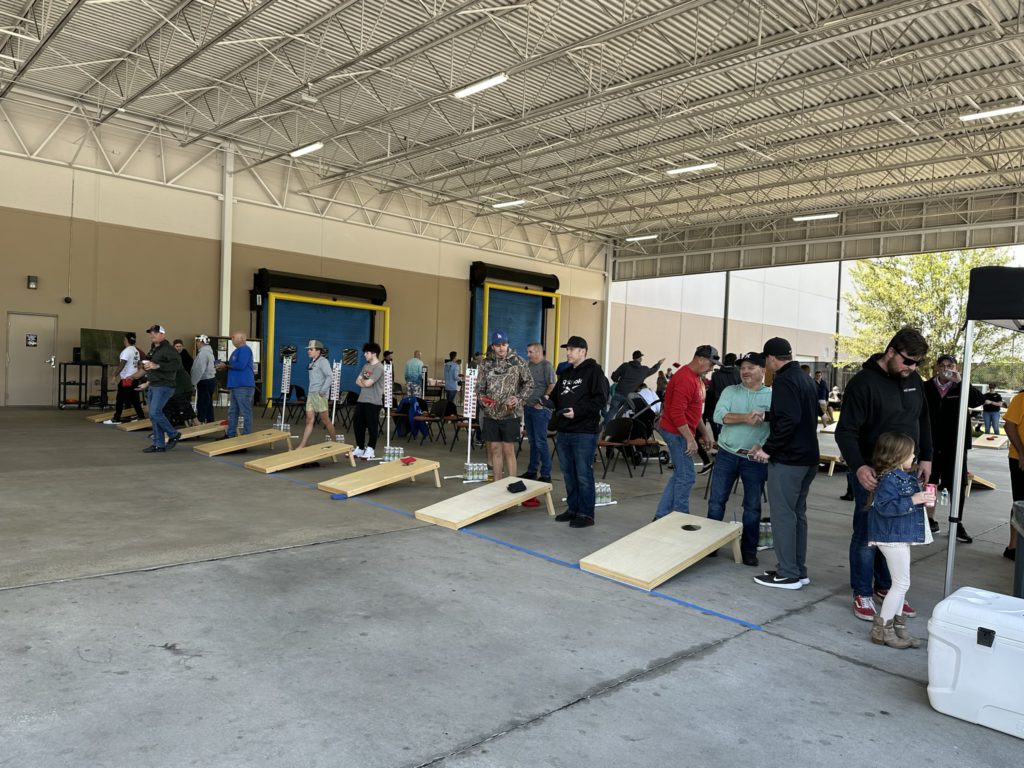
pixel 741 410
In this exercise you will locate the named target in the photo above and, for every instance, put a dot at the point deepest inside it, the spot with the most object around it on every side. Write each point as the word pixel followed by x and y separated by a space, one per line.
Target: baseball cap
pixel 499 337
pixel 203 338
pixel 777 347
pixel 946 357
pixel 314 344
pixel 155 329
pixel 637 354
pixel 753 357
pixel 729 359
pixel 706 350
pixel 575 342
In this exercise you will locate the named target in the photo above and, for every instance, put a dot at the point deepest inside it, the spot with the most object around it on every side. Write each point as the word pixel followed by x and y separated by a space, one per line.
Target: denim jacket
pixel 893 517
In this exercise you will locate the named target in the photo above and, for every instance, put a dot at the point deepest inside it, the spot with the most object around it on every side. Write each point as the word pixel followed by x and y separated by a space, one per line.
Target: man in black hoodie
pixel 792 453
pixel 579 396
pixel 887 395
pixel 628 377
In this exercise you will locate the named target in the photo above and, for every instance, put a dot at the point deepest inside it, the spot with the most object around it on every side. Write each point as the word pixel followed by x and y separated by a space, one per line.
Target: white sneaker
pixel 805 580
pixel 358 452
pixel 111 421
pixel 367 454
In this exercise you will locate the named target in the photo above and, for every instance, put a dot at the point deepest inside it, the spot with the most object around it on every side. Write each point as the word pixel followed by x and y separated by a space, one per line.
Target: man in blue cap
pixel 503 384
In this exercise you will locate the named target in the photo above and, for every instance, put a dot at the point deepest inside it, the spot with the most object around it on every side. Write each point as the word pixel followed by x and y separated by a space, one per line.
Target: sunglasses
pixel 908 361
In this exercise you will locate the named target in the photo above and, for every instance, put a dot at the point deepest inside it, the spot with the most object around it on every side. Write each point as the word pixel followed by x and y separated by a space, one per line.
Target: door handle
pixel 52 360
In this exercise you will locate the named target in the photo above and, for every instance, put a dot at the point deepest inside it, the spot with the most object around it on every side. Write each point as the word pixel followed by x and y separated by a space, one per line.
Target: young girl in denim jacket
pixel 895 521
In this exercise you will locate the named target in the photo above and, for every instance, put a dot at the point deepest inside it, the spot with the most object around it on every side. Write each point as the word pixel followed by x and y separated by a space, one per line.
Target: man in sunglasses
pixel 887 395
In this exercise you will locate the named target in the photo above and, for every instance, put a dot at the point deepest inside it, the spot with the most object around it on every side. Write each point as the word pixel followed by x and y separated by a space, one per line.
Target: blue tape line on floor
pixel 275 475
pixel 575 566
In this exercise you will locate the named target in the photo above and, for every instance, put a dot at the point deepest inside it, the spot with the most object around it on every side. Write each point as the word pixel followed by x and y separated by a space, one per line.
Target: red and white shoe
pixel 864 608
pixel 907 610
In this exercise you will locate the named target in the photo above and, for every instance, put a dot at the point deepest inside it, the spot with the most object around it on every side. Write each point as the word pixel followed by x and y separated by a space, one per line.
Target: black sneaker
pixel 1010 554
pixel 962 535
pixel 847 497
pixel 581 522
pixel 772 579
pixel 528 476
pixel 544 479
pixel 173 440
pixel 565 517
pixel 934 525
pixel 750 560
pixel 153 449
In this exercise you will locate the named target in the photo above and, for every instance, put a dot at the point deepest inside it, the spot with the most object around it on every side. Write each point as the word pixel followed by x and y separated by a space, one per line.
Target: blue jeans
pixel 536 420
pixel 867 564
pixel 676 497
pixel 241 405
pixel 451 394
pixel 576 452
pixel 728 466
pixel 991 420
pixel 158 397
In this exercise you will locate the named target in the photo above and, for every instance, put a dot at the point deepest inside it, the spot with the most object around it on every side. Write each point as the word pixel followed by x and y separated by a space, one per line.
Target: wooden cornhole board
pixel 237 443
pixel 660 550
pixel 201 430
pixel 317 452
pixel 96 418
pixel 484 501
pixel 377 477
pixel 991 441
pixel 981 482
pixel 135 426
pixel 829 451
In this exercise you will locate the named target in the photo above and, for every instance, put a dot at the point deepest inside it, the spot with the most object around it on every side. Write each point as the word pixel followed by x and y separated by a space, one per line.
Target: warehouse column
pixel 226 219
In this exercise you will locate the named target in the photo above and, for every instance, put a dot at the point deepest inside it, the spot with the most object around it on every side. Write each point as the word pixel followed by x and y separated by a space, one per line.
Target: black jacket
pixel 724 377
pixel 944 412
pixel 585 390
pixel 794 419
pixel 167 357
pixel 629 376
pixel 875 402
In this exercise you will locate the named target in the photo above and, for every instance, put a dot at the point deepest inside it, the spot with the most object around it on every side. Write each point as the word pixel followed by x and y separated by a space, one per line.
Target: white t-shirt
pixel 130 358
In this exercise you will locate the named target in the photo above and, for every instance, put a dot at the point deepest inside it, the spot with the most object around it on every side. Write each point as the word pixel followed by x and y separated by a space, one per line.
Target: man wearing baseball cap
pixel 628 377
pixel 740 411
pixel 579 396
pixel 320 376
pixel 161 369
pixel 504 383
pixel 682 425
pixel 204 378
pixel 792 454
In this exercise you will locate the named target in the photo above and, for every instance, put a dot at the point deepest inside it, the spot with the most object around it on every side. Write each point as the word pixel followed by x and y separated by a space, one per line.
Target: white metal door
pixel 31 359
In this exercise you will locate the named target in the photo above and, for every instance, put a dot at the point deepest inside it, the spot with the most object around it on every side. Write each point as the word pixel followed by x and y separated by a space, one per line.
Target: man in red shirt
pixel 682 426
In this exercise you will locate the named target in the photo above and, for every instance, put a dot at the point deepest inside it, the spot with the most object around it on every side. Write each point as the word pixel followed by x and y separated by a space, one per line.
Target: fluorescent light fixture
pixel 692 168
pixel 508 204
pixel 483 85
pixel 641 238
pixel 316 146
pixel 816 217
pixel 992 113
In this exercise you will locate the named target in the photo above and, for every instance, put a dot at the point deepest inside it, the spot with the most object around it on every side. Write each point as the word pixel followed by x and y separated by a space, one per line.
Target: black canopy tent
pixel 995 296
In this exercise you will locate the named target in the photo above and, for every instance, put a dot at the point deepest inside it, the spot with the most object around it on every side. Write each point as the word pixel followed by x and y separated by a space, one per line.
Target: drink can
pixel 933 489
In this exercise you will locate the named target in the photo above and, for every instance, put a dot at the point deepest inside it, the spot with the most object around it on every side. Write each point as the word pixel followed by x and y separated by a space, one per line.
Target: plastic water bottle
pixel 341 438
pixel 944 498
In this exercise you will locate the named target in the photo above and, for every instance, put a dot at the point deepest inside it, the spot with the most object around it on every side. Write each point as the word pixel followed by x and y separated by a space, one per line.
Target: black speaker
pixel 76 354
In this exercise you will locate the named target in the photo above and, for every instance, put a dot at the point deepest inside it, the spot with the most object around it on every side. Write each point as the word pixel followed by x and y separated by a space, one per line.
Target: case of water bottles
pixel 765 537
pixel 393 453
pixel 603 494
pixel 474 472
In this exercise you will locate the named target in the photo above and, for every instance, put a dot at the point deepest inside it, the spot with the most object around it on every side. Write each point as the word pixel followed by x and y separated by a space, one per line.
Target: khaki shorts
pixel 316 403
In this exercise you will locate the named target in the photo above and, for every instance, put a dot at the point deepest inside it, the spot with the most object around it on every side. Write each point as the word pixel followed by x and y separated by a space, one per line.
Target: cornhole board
pixel 981 482
pixel 237 443
pixel 135 426
pixel 829 451
pixel 484 501
pixel 377 477
pixel 990 441
pixel 96 418
pixel 201 430
pixel 662 549
pixel 317 452
pixel 830 428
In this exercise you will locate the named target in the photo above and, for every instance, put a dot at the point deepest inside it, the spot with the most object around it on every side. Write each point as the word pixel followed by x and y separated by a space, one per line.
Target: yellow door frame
pixel 488 287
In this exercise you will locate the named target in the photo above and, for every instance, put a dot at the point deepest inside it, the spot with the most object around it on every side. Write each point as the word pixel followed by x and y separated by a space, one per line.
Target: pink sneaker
pixel 864 608
pixel 907 610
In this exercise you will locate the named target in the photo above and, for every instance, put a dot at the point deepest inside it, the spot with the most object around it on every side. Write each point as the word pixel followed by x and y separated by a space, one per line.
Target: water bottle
pixel 341 438
pixel 944 498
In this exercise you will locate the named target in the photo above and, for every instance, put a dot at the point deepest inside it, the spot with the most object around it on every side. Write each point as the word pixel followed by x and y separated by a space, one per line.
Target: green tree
pixel 928 292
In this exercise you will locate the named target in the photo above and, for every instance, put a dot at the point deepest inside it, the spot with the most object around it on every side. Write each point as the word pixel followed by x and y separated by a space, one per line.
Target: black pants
pixel 366 418
pixel 943 467
pixel 127 395
pixel 204 399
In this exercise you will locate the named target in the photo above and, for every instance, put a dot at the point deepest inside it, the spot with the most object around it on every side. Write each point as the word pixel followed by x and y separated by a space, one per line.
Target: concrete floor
pixel 173 610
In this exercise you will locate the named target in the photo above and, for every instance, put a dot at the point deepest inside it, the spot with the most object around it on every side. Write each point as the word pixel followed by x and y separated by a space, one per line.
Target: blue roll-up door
pixel 520 315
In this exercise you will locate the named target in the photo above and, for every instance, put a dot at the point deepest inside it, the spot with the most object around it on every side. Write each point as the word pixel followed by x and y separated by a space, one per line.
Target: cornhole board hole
pixel 990 441
pixel 96 418
pixel 317 452
pixel 662 549
pixel 377 477
pixel 237 443
pixel 484 501
pixel 135 426
pixel 201 430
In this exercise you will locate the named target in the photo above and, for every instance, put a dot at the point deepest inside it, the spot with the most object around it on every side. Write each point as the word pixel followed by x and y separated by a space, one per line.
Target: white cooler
pixel 976 659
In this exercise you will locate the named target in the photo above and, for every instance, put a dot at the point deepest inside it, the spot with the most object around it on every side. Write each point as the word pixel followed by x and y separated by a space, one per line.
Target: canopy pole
pixel 961 449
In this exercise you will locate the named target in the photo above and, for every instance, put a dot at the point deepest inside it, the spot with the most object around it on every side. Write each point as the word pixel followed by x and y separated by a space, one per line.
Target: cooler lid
pixel 972 608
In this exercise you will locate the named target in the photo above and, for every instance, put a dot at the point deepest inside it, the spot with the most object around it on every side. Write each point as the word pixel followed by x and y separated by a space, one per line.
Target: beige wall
pixel 127 278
